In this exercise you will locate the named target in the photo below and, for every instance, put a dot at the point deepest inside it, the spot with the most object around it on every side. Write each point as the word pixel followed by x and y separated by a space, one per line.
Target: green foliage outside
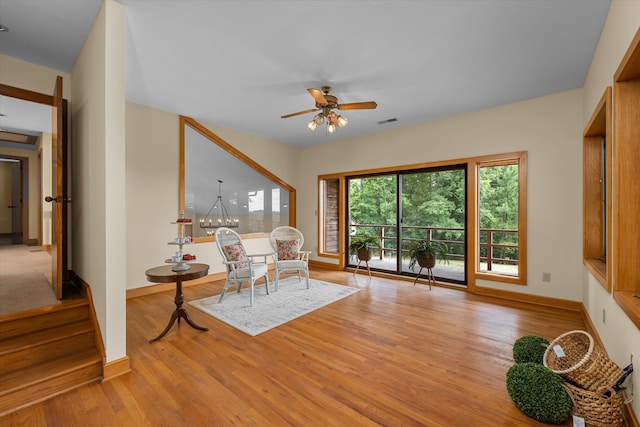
pixel 437 199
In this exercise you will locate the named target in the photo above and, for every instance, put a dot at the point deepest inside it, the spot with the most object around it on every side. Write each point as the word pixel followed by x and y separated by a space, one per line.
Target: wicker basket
pixel 575 357
pixel 601 408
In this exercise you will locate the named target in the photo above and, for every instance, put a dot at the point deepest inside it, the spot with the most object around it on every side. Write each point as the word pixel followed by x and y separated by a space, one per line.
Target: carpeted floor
pixel 25 279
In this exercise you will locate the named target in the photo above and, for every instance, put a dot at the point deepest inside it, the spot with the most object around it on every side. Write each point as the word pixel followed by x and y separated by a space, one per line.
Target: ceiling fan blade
pixel 358 106
pixel 318 96
pixel 298 113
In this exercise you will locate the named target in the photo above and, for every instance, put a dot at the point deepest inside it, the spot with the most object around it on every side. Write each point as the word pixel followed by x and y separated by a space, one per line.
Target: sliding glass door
pixel 404 207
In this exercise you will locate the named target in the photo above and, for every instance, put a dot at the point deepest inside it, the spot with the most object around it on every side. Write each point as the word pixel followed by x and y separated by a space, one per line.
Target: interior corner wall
pixel 98 161
pixel 619 334
pixel 47 208
pixel 152 187
pixel 548 128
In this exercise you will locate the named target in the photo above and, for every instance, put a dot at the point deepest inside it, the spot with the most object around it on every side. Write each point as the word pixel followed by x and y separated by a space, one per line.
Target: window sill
pixel 629 304
pixel 599 270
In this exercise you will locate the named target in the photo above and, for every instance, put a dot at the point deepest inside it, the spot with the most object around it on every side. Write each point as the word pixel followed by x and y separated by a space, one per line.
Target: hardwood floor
pixel 392 354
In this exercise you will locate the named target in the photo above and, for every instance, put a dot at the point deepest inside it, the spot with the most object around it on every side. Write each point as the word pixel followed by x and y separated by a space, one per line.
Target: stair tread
pixel 50 369
pixel 44 336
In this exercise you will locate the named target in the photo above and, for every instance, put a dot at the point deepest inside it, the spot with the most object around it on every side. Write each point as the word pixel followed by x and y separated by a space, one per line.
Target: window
pixel 329 212
pixel 501 239
pixel 596 178
pixel 484 229
pixel 213 174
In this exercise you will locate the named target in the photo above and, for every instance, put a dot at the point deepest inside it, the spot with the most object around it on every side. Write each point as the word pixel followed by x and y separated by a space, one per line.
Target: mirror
pixel 219 186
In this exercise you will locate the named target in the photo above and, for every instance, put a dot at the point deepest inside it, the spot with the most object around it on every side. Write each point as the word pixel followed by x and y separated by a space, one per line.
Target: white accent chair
pixel 286 242
pixel 240 266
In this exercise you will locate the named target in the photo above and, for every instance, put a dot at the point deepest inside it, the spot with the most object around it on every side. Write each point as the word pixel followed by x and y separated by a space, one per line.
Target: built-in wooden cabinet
pixel 596 189
pixel 626 182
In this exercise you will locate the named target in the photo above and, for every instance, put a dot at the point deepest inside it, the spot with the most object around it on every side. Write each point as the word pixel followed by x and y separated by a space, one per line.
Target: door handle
pixel 57 199
pixel 12 207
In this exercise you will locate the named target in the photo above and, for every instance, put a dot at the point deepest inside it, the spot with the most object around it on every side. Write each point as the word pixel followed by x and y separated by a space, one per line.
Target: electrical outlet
pixel 546 277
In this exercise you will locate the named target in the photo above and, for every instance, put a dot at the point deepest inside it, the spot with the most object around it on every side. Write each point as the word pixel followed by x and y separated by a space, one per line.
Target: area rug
pixel 292 300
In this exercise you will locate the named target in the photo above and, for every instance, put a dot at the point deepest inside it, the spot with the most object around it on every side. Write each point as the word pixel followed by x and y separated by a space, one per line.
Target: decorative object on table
pixel 240 266
pixel 530 348
pixel 575 356
pixel 425 253
pixel 220 218
pixel 278 308
pixel 538 392
pixel 287 242
pixel 362 246
pixel 178 258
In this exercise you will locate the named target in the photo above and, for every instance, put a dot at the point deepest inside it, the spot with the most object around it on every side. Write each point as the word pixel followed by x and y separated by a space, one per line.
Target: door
pixel 58 191
pixel 16 202
pixel 58 178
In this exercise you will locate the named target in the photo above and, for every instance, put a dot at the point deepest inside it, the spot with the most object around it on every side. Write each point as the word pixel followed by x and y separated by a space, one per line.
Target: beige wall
pixel 98 179
pixel 620 336
pixel 47 208
pixel 548 128
pixel 152 185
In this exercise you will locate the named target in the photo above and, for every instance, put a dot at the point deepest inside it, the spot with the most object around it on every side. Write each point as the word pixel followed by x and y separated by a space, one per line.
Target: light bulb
pixel 312 126
pixel 318 119
pixel 342 121
pixel 331 128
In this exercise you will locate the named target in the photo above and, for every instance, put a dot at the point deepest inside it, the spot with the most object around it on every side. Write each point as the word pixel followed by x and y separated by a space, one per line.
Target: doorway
pixel 402 207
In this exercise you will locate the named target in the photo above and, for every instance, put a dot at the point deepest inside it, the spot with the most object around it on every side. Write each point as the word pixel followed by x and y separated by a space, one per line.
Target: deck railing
pixel 492 250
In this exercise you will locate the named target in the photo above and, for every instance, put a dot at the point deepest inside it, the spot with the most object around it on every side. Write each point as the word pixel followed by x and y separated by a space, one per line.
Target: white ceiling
pixel 242 64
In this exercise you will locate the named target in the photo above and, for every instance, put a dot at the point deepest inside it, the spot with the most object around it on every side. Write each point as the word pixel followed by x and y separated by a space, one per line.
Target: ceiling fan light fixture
pixel 331 128
pixel 342 121
pixel 318 119
pixel 312 125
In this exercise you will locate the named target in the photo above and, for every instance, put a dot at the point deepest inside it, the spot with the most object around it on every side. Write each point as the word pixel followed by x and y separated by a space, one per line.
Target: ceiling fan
pixel 326 103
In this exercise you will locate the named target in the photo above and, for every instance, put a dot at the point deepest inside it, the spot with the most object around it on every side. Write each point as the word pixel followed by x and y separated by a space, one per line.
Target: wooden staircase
pixel 45 352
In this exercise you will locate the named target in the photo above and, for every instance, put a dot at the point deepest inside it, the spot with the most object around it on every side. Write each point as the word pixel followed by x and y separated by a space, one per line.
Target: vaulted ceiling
pixel 243 64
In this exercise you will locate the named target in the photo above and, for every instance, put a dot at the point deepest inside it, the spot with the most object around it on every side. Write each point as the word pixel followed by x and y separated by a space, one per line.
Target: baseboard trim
pixel 325 265
pixel 116 368
pixel 532 299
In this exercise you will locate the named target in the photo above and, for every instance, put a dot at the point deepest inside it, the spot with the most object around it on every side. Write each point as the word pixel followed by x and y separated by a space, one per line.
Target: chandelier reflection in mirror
pixel 219 218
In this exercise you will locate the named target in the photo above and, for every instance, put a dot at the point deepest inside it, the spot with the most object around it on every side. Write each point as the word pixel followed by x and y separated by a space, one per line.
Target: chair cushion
pixel 293 264
pixel 236 252
pixel 287 249
pixel 258 268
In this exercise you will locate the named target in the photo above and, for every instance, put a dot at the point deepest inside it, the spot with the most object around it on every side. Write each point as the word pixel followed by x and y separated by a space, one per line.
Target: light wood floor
pixel 390 355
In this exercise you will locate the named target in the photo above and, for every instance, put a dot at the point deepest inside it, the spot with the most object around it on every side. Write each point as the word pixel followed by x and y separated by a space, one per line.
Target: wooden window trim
pixel 599 126
pixel 626 187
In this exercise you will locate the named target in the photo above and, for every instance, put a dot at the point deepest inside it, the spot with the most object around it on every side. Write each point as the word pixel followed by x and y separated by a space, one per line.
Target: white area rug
pixel 292 300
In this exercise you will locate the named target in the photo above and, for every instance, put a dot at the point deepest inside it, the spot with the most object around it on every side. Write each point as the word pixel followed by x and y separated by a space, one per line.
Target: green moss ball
pixel 529 348
pixel 537 391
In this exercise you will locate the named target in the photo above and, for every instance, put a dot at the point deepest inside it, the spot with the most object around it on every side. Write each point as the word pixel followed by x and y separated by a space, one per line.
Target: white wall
pixel 98 179
pixel 620 336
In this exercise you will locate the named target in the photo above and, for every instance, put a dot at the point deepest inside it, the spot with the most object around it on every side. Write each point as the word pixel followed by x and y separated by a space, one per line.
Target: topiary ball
pixel 530 348
pixel 537 391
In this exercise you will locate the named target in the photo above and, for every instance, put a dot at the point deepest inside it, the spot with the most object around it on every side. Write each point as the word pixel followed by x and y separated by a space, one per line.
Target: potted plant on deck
pixel 425 253
pixel 363 245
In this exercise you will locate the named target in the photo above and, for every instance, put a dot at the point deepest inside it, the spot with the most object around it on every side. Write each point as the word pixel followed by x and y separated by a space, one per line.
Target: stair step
pixel 59 343
pixel 34 339
pixel 38 382
pixel 43 318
